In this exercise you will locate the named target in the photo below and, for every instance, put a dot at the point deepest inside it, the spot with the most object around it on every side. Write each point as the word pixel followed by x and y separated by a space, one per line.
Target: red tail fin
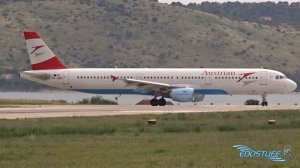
pixel 41 57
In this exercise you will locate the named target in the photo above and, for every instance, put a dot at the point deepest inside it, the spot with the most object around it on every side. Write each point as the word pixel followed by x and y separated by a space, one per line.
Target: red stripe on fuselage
pixel 246 75
pixel 52 63
pixel 31 35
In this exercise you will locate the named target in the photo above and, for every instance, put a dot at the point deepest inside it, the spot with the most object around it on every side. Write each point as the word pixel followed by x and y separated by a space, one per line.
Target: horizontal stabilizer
pixel 42 76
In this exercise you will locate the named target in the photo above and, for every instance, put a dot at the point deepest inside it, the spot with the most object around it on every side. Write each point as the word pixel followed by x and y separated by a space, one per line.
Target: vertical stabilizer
pixel 41 57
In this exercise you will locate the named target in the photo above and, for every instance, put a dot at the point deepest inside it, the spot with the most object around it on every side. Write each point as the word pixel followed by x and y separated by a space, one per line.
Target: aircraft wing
pixel 148 85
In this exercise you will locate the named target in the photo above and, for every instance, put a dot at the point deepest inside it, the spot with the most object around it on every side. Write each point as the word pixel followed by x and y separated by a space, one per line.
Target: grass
pixel 13 102
pixel 17 102
pixel 178 140
pixel 97 100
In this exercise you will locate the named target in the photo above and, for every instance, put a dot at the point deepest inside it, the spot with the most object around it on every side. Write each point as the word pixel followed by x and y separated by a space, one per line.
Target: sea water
pixel 73 97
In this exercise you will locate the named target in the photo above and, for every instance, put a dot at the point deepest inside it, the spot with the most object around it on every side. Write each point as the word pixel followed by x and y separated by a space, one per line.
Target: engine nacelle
pixel 185 95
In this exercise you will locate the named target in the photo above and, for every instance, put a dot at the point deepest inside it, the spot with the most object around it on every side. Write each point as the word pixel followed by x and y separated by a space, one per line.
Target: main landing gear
pixel 264 101
pixel 158 102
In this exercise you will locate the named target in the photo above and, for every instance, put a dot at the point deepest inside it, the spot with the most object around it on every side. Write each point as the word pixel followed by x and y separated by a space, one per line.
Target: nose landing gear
pixel 264 100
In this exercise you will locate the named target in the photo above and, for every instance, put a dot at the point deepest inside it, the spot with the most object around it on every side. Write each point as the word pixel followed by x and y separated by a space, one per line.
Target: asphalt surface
pixel 44 111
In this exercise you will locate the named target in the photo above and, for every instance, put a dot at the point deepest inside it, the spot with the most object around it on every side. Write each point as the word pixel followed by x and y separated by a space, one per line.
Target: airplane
pixel 178 84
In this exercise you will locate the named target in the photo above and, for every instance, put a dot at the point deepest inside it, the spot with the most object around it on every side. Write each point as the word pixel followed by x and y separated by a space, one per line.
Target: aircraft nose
pixel 291 86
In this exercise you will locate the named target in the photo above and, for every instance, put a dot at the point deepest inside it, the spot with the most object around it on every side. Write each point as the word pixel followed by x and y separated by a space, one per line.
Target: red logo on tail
pixel 36 48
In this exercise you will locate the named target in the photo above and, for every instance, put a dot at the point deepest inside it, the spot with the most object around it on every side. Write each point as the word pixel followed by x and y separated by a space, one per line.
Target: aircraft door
pixel 263 78
pixel 207 80
pixel 66 77
pixel 139 76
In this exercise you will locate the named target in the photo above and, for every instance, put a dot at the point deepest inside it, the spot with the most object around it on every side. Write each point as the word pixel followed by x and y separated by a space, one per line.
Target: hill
pixel 270 13
pixel 144 33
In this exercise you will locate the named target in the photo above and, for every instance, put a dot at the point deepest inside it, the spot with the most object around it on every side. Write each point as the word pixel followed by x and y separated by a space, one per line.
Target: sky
pixel 199 1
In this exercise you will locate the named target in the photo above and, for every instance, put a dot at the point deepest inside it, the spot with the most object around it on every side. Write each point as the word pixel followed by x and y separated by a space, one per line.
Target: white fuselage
pixel 184 85
pixel 204 81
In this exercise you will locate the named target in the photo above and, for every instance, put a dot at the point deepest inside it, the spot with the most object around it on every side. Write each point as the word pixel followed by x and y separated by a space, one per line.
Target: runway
pixel 44 111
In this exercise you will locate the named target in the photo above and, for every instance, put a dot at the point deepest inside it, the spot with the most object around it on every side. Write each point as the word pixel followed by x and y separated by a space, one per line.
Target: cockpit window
pixel 281 77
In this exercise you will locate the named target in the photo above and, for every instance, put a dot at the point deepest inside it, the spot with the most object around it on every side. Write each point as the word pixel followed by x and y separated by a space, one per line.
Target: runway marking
pixel 45 111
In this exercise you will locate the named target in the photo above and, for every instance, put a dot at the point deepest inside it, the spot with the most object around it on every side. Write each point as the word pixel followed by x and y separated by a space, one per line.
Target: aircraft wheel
pixel 264 103
pixel 154 102
pixel 162 102
pixel 264 100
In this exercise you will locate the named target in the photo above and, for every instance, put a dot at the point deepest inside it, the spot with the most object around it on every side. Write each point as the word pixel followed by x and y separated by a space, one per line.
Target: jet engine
pixel 185 95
